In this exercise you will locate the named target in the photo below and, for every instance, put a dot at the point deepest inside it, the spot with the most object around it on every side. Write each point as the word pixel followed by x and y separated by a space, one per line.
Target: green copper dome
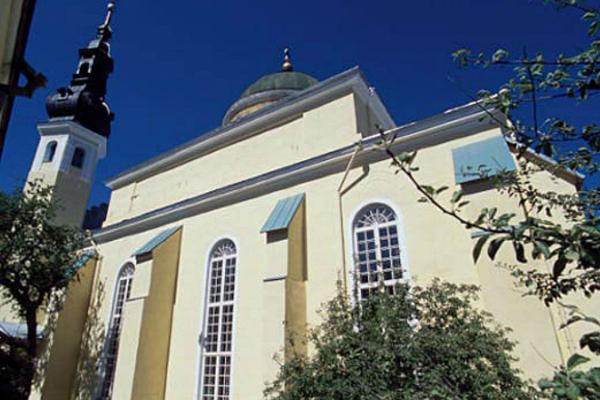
pixel 288 80
pixel 268 90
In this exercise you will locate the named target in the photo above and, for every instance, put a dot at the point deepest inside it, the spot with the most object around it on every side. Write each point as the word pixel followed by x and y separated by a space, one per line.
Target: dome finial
pixel 287 63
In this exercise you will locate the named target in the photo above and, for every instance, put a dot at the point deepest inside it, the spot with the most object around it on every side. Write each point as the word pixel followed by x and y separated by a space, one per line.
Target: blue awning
pixel 482 159
pixel 81 261
pixel 282 214
pixel 155 241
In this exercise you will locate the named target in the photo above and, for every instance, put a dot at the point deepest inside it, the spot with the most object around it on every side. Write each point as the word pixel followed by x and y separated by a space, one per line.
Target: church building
pixel 214 254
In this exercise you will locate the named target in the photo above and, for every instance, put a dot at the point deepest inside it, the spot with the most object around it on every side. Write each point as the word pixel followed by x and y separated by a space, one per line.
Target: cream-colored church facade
pixel 266 213
pixel 218 253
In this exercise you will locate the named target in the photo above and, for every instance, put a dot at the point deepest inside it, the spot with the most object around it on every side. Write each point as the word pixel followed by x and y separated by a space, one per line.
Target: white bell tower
pixel 66 158
pixel 75 137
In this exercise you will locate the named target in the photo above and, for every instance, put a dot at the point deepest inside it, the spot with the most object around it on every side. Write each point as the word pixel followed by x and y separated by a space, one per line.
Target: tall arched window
pixel 78 157
pixel 50 151
pixel 376 250
pixel 122 292
pixel 217 333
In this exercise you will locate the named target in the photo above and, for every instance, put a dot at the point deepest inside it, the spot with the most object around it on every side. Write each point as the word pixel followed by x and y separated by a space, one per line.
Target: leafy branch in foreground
pixel 36 265
pixel 559 228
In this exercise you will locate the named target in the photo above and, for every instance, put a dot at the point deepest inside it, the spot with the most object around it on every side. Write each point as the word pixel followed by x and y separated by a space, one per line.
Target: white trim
pixel 53 128
pixel 449 130
pixel 578 176
pixel 107 322
pixel 199 351
pixel 69 135
pixel 350 243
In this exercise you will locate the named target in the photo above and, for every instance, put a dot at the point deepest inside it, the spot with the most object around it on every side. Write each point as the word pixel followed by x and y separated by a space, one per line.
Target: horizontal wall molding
pixel 346 82
pixel 456 123
pixel 275 278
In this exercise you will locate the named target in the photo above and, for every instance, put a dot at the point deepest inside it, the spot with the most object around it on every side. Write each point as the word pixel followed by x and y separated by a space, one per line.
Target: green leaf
pixel 576 360
pixel 456 196
pixel 499 55
pixel 592 230
pixel 591 341
pixel 594 26
pixel 559 266
pixel 545 383
pixel 542 247
pixel 479 246
pixel 589 15
pixel 406 157
pixel 573 392
pixel 571 255
pixel 428 189
pixel 495 246
pixel 519 251
pixel 519 230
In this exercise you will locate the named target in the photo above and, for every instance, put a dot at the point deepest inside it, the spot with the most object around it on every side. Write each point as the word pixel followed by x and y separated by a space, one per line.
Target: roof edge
pixel 352 78
pixel 457 122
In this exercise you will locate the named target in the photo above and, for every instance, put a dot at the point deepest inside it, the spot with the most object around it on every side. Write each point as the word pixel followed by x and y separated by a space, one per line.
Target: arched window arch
pixel 217 332
pixel 111 350
pixel 376 249
pixel 78 158
pixel 50 151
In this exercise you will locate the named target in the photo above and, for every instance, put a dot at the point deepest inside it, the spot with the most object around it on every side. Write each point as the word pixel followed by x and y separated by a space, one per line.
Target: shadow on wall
pixel 43 349
pixel 91 349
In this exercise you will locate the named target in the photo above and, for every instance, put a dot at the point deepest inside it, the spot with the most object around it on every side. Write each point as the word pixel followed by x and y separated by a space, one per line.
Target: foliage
pixel 36 264
pixel 570 384
pixel 426 343
pixel 562 229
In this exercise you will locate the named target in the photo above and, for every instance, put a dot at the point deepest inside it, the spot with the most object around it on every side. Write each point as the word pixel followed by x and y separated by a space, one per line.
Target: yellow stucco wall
pixel 295 286
pixel 66 342
pixel 70 193
pixel 153 349
pixel 315 132
pixel 433 246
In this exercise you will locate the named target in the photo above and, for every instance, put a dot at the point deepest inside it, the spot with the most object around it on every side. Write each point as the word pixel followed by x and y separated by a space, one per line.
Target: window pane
pixel 377 249
pixel 218 324
pixel 122 292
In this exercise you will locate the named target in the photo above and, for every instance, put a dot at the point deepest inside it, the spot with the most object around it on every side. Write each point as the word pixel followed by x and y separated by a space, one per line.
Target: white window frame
pixel 109 323
pixel 352 245
pixel 202 353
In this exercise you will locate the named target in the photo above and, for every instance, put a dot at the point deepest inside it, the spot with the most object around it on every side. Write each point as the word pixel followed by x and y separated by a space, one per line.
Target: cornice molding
pixel 351 80
pixel 453 124
pixel 68 127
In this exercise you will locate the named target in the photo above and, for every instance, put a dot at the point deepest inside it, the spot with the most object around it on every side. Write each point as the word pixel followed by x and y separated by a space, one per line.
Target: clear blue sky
pixel 180 64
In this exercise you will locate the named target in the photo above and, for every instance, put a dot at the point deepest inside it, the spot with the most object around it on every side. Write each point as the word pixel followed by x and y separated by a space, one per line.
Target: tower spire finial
pixel 84 100
pixel 104 31
pixel 287 62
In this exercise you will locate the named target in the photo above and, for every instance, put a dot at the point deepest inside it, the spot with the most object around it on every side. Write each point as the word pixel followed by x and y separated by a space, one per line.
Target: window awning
pixel 481 159
pixel 282 214
pixel 156 241
pixel 81 261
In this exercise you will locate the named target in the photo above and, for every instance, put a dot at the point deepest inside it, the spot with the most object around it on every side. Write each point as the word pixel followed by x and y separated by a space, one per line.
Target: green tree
pixel 422 343
pixel 538 86
pixel 37 259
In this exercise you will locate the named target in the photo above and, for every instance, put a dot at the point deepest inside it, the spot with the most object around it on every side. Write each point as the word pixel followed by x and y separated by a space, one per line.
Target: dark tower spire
pixel 83 100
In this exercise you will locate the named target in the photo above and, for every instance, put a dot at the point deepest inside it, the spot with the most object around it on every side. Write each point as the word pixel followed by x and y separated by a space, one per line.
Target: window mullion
pixel 378 254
